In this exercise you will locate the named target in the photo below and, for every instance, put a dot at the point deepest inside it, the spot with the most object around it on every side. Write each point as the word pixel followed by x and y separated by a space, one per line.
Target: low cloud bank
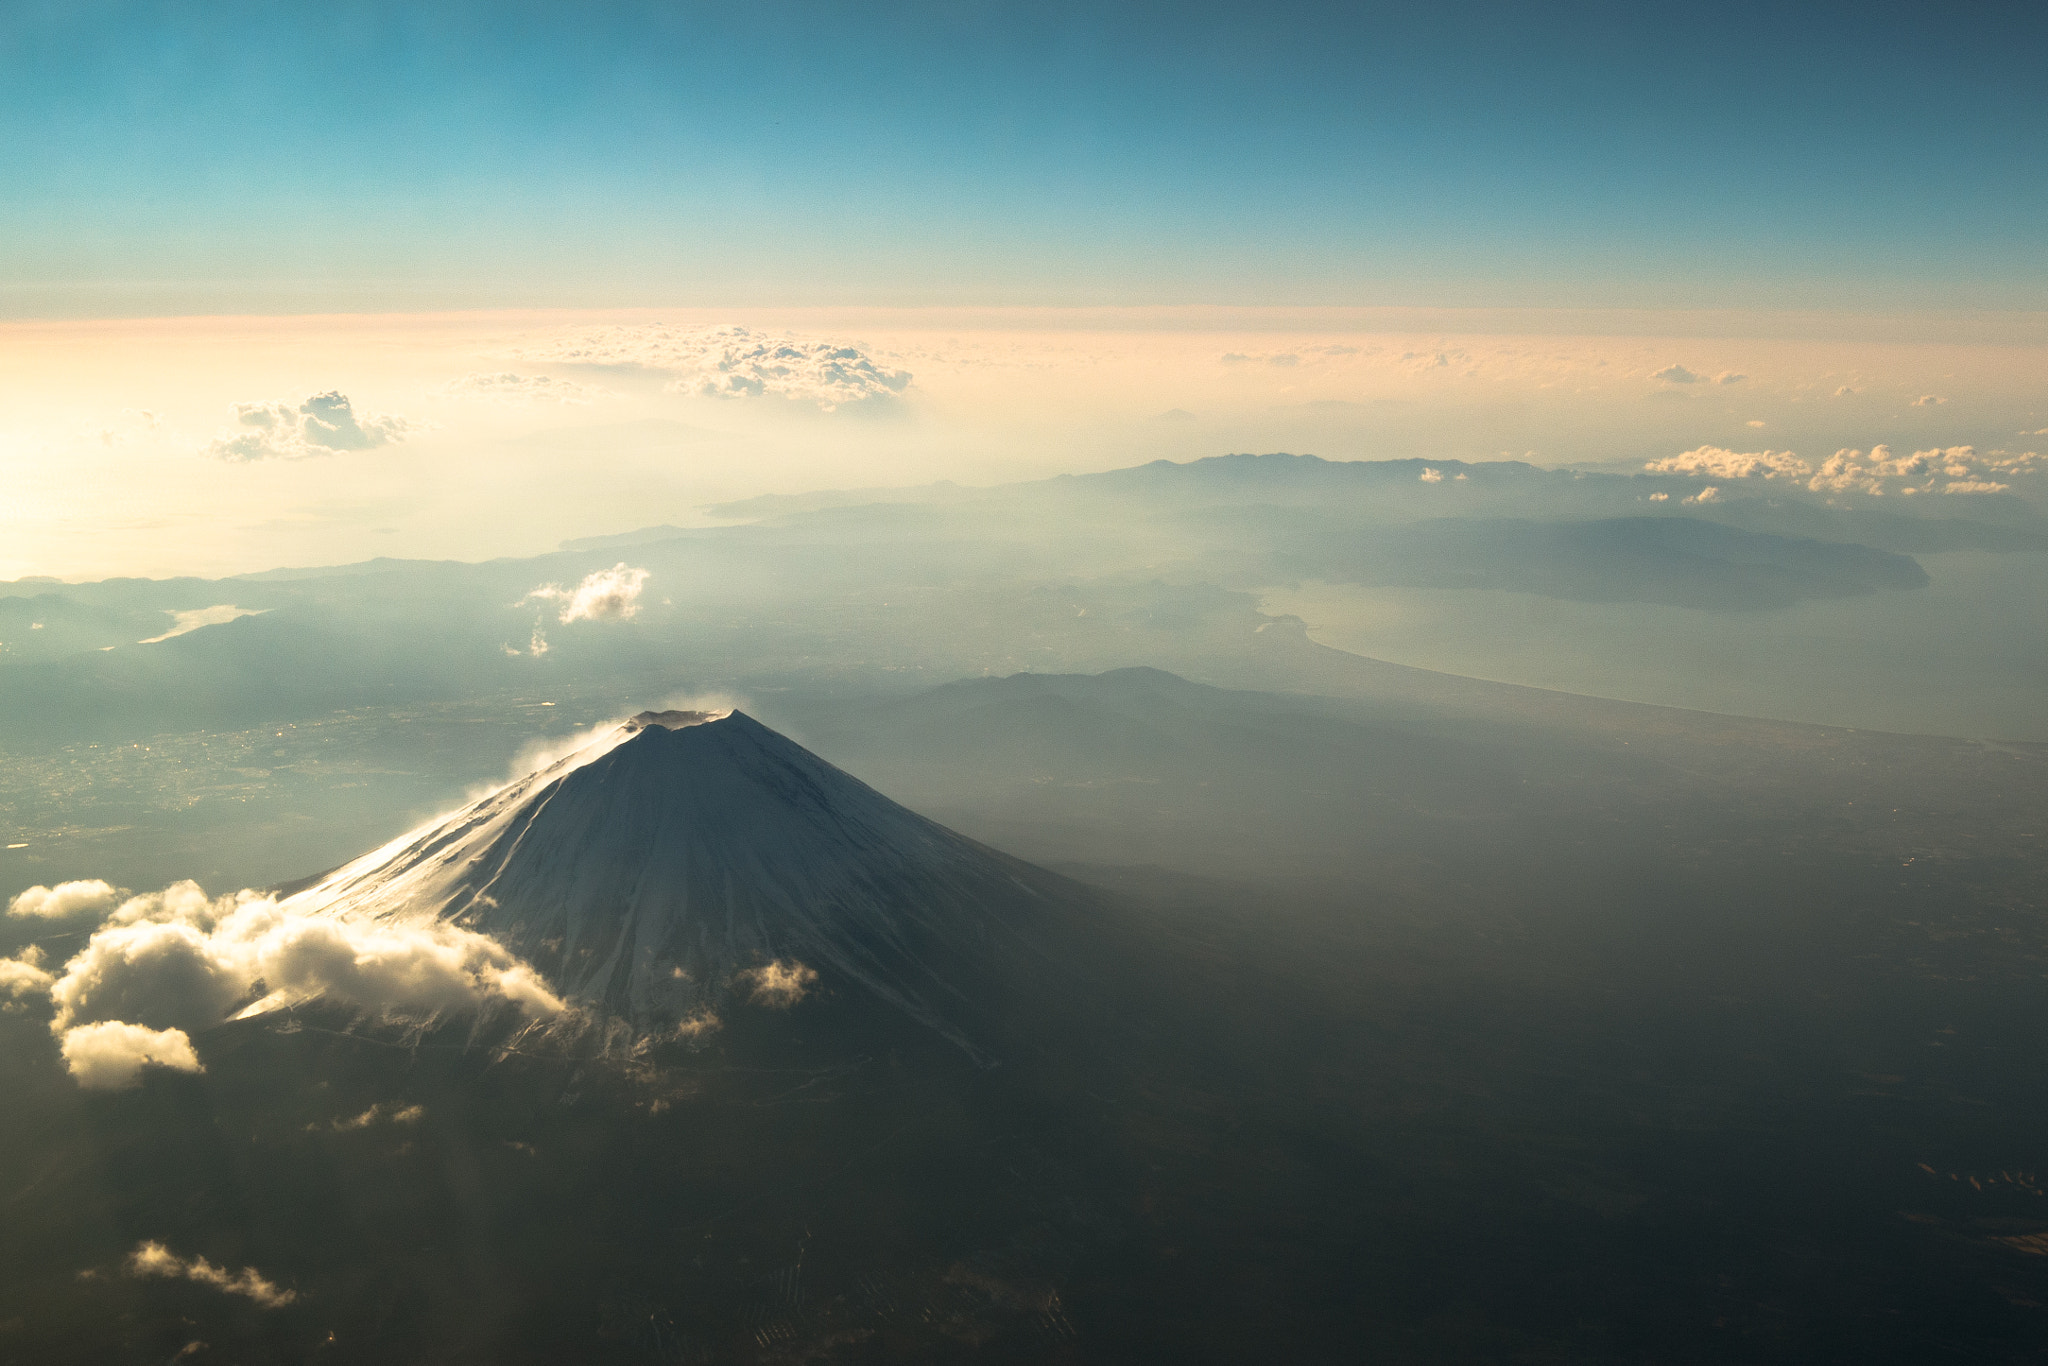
pixel 1678 374
pixel 1951 469
pixel 166 964
pixel 736 362
pixel 323 424
pixel 154 1259
pixel 1716 462
pixel 505 386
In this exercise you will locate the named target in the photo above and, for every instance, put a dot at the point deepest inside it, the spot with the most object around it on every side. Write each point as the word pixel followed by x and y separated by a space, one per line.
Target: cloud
pixel 65 900
pixel 1730 377
pixel 1676 374
pixel 735 362
pixel 1754 422
pixel 110 1056
pixel 1944 469
pixel 1431 476
pixel 23 979
pixel 170 975
pixel 323 424
pixel 154 1259
pixel 1845 391
pixel 381 1113
pixel 1709 494
pixel 606 595
pixel 779 985
pixel 1715 462
pixel 1928 401
pixel 169 963
pixel 506 387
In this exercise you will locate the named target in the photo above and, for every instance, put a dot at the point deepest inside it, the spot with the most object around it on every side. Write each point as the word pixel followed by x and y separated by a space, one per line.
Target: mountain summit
pixel 688 856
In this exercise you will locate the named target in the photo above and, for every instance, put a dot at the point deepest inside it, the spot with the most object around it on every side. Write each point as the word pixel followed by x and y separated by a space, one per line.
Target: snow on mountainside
pixel 687 856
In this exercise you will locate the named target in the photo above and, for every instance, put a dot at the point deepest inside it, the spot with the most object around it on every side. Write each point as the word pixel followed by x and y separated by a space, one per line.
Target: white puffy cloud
pixel 1709 494
pixel 169 975
pixel 23 979
pixel 1943 469
pixel 1677 374
pixel 505 386
pixel 1431 476
pixel 168 963
pixel 736 362
pixel 779 985
pixel 606 595
pixel 154 1259
pixel 1715 462
pixel 111 1055
pixel 65 900
pixel 321 424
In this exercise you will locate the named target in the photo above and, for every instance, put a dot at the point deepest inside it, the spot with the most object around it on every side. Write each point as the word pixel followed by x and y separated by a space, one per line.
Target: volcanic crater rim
pixel 675 720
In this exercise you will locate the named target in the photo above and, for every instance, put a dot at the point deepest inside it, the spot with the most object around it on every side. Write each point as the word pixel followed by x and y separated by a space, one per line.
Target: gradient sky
pixel 200 158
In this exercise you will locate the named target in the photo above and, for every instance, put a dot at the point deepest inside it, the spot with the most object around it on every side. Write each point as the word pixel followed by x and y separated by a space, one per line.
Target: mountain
pixel 652 872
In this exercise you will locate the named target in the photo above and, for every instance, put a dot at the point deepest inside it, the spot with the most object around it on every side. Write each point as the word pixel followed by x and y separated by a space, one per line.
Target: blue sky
pixel 287 157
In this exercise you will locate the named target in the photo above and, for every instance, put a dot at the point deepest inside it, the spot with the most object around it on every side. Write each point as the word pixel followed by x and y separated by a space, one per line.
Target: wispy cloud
pixel 323 424
pixel 381 1113
pixel 154 1259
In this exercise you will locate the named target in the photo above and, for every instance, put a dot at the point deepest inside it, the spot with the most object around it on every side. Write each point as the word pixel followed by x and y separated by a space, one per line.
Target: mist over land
pixel 1350 992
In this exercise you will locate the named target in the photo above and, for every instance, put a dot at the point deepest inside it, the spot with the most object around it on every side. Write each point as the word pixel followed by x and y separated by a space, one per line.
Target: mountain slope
pixel 658 870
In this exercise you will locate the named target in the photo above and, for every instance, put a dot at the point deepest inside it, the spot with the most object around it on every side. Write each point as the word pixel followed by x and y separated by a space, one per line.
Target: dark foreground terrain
pixel 1544 1108
pixel 1423 1020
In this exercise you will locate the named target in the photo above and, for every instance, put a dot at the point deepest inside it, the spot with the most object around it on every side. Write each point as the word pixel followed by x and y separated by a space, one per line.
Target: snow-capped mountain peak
pixel 657 870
